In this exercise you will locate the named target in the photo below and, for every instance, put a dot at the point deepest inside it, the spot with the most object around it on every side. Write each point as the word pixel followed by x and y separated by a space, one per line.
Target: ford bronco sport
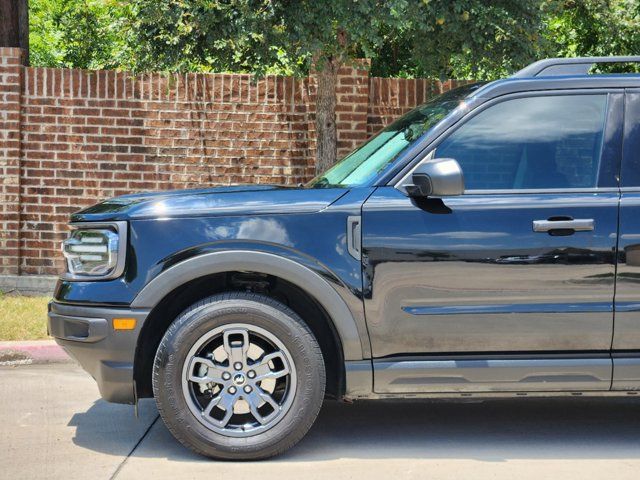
pixel 485 244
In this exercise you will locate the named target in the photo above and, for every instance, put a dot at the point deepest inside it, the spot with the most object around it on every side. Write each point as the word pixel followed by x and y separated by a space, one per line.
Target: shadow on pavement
pixel 495 431
pixel 111 428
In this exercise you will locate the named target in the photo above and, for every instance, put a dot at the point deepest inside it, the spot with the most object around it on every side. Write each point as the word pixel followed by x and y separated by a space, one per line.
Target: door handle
pixel 577 225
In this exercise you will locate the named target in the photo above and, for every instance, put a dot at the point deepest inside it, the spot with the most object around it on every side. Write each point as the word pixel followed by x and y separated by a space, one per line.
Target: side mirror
pixel 440 177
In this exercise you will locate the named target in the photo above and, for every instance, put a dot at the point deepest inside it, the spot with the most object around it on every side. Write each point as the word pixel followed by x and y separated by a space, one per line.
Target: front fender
pixel 352 333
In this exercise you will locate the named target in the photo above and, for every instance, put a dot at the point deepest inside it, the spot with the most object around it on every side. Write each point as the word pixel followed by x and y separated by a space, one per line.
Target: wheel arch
pixel 210 267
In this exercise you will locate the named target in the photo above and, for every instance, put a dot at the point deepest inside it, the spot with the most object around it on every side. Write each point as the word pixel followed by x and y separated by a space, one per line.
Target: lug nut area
pixel 226 376
pixel 232 390
pixel 237 366
pixel 247 389
pixel 251 374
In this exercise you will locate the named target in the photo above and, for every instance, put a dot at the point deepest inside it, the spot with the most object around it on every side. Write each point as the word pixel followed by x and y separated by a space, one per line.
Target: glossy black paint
pixel 284 221
pixel 626 340
pixel 627 301
pixel 243 200
pixel 469 274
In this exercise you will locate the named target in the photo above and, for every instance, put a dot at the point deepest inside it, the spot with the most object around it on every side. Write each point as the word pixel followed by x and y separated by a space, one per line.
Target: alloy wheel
pixel 238 380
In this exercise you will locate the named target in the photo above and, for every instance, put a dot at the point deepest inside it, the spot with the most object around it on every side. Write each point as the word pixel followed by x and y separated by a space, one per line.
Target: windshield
pixel 367 161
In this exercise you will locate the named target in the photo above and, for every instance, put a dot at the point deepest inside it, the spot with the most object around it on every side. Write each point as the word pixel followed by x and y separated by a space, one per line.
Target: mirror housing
pixel 440 177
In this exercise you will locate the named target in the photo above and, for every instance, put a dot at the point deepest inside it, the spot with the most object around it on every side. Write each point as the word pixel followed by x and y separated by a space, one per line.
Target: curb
pixel 32 353
pixel 28 284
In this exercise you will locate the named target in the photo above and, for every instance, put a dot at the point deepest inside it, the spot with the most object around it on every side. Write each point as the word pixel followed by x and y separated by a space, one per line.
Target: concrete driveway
pixel 54 426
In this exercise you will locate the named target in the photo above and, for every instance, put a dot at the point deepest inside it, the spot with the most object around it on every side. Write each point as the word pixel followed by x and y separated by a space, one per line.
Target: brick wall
pixel 73 137
pixel 352 106
pixel 390 98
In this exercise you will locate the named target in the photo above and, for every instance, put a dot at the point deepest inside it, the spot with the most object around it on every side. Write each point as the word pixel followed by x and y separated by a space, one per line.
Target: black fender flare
pixel 267 263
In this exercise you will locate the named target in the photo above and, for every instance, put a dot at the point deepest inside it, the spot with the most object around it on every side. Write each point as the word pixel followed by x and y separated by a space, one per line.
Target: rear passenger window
pixel 531 143
pixel 631 155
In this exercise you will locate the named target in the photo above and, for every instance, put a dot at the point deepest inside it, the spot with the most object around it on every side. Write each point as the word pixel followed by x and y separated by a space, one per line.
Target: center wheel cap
pixel 239 379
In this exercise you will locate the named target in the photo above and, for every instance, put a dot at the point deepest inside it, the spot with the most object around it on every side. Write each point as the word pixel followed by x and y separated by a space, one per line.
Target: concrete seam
pixel 135 447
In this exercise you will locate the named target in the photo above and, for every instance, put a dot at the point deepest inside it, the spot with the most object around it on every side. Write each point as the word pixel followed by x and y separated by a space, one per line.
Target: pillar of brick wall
pixel 11 71
pixel 352 104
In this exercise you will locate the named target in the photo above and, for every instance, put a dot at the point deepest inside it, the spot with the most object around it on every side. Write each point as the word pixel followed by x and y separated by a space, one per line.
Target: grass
pixel 23 318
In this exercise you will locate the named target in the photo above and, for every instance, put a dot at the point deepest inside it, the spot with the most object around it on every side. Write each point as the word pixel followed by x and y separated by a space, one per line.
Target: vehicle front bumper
pixel 87 335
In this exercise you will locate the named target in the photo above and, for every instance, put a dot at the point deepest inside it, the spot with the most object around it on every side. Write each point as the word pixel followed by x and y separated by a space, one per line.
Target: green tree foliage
pixel 430 38
pixel 595 28
pixel 464 39
pixel 78 33
pixel 258 35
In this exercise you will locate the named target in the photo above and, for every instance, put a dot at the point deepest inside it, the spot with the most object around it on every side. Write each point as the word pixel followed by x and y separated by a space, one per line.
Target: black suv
pixel 390 275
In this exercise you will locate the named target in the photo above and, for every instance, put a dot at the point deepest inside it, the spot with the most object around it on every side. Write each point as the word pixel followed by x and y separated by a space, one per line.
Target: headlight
pixel 95 251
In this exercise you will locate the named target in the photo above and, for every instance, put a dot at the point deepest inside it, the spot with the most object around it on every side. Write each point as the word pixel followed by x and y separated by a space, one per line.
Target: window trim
pixel 404 176
pixel 530 191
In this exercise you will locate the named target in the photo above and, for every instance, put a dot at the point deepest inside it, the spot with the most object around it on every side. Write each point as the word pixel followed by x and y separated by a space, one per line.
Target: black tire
pixel 262 312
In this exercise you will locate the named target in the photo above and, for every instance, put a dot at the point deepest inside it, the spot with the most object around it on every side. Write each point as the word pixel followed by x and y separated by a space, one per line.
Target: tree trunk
pixel 23 22
pixel 326 115
pixel 14 24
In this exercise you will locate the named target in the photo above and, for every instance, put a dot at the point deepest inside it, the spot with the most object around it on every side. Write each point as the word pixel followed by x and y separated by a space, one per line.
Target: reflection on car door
pixel 485 291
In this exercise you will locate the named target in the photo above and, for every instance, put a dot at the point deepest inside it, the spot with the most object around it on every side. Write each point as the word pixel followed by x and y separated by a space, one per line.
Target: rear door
pixel 626 340
pixel 511 285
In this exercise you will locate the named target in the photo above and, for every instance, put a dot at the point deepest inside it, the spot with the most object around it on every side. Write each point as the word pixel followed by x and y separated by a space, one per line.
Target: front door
pixel 509 286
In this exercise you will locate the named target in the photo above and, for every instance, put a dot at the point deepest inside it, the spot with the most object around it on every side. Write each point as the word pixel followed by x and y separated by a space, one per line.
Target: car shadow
pixel 112 428
pixel 490 431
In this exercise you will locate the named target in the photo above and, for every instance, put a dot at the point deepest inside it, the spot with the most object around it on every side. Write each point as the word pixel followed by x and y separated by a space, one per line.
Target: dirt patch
pixel 9 358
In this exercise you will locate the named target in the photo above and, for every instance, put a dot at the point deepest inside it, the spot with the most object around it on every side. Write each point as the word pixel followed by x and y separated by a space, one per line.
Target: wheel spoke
pixel 224 400
pixel 213 375
pixel 214 401
pixel 263 369
pixel 269 399
pixel 236 348
pixel 254 402
pixel 255 399
pixel 228 401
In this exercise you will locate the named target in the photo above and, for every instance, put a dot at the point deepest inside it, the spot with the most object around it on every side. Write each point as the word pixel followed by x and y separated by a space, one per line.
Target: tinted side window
pixel 531 143
pixel 631 155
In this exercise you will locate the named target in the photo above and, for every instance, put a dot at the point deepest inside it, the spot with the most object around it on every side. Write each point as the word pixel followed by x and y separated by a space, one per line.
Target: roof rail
pixel 569 66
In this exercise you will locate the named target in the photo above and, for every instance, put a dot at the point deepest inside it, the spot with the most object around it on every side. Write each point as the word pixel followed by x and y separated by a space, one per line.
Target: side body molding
pixel 262 262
